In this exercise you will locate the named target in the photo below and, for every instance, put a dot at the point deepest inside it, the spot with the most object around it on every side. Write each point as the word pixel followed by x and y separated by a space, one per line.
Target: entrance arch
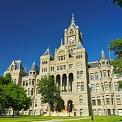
pixel 69 106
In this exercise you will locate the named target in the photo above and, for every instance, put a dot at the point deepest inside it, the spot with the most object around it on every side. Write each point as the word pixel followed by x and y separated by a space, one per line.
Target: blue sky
pixel 28 27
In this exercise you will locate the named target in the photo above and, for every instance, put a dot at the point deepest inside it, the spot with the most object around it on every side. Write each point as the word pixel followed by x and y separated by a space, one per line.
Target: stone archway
pixel 71 78
pixel 69 106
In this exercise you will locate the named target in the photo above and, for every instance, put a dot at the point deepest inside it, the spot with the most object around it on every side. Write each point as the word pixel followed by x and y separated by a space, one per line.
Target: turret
pixel 103 59
pixel 34 69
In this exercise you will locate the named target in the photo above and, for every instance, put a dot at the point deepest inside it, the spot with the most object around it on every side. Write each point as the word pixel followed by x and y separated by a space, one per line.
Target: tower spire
pixel 102 54
pixel 61 41
pixel 73 19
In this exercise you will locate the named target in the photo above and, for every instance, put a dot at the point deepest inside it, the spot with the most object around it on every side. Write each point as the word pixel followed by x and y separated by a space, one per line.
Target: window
pixel 78 74
pixel 108 73
pixel 116 86
pixel 70 66
pixel 78 86
pixel 96 76
pixel 64 66
pixel 98 101
pixel 26 83
pixel 112 99
pixel 57 67
pixel 61 67
pixel 92 88
pixel 104 74
pixel 36 103
pixel 97 88
pixel 118 100
pixel 32 92
pixel 23 83
pixel 33 80
pixel 29 81
pixel 82 86
pixel 107 100
pixel 93 101
pixel 28 91
pixel 80 100
pixel 91 76
pixel 106 87
pixel 81 74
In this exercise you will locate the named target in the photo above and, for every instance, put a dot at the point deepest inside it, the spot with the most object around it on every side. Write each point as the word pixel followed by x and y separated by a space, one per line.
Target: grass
pixel 44 118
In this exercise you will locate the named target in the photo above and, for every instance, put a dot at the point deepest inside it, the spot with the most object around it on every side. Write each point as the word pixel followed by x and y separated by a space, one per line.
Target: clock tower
pixel 72 35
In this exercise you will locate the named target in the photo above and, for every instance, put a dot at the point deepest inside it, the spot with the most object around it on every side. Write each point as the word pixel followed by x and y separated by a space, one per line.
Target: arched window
pixel 33 80
pixel 28 91
pixel 104 73
pixel 32 92
pixel 106 87
pixel 23 83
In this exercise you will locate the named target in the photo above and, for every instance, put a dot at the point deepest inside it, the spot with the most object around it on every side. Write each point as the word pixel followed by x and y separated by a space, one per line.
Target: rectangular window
pixel 80 100
pixel 82 86
pixel 98 101
pixel 116 86
pixel 107 101
pixel 78 86
pixel 91 76
pixel 57 67
pixel 92 88
pixel 93 102
pixel 78 74
pixel 118 100
pixel 112 99
pixel 96 76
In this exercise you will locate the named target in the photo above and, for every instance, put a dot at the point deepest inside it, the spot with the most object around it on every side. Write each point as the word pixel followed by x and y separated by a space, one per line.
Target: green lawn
pixel 42 118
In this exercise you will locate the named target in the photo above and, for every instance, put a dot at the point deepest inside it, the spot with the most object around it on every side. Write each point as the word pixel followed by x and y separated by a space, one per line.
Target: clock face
pixel 71 40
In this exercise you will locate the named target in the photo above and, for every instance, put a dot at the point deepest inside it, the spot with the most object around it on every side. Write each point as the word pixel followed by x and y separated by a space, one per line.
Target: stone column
pixel 67 83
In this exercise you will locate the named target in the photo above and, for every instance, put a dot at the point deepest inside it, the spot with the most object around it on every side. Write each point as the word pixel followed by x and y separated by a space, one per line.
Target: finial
pixel 73 19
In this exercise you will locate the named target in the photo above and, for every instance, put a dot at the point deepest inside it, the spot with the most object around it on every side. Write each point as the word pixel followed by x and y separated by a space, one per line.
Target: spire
pixel 33 67
pixel 61 41
pixel 102 55
pixel 47 52
pixel 73 19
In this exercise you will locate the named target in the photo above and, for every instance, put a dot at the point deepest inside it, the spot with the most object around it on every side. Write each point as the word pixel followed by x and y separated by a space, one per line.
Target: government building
pixel 81 83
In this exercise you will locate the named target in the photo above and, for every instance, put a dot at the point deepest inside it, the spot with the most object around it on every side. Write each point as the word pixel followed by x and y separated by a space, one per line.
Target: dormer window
pixel 103 63
pixel 34 73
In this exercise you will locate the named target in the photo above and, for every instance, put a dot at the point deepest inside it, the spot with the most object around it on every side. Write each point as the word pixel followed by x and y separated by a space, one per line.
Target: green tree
pixel 13 95
pixel 49 92
pixel 116 47
pixel 118 2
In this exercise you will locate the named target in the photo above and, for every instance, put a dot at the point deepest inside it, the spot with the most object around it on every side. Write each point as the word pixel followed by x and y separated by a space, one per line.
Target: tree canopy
pixel 116 47
pixel 50 93
pixel 118 2
pixel 12 95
